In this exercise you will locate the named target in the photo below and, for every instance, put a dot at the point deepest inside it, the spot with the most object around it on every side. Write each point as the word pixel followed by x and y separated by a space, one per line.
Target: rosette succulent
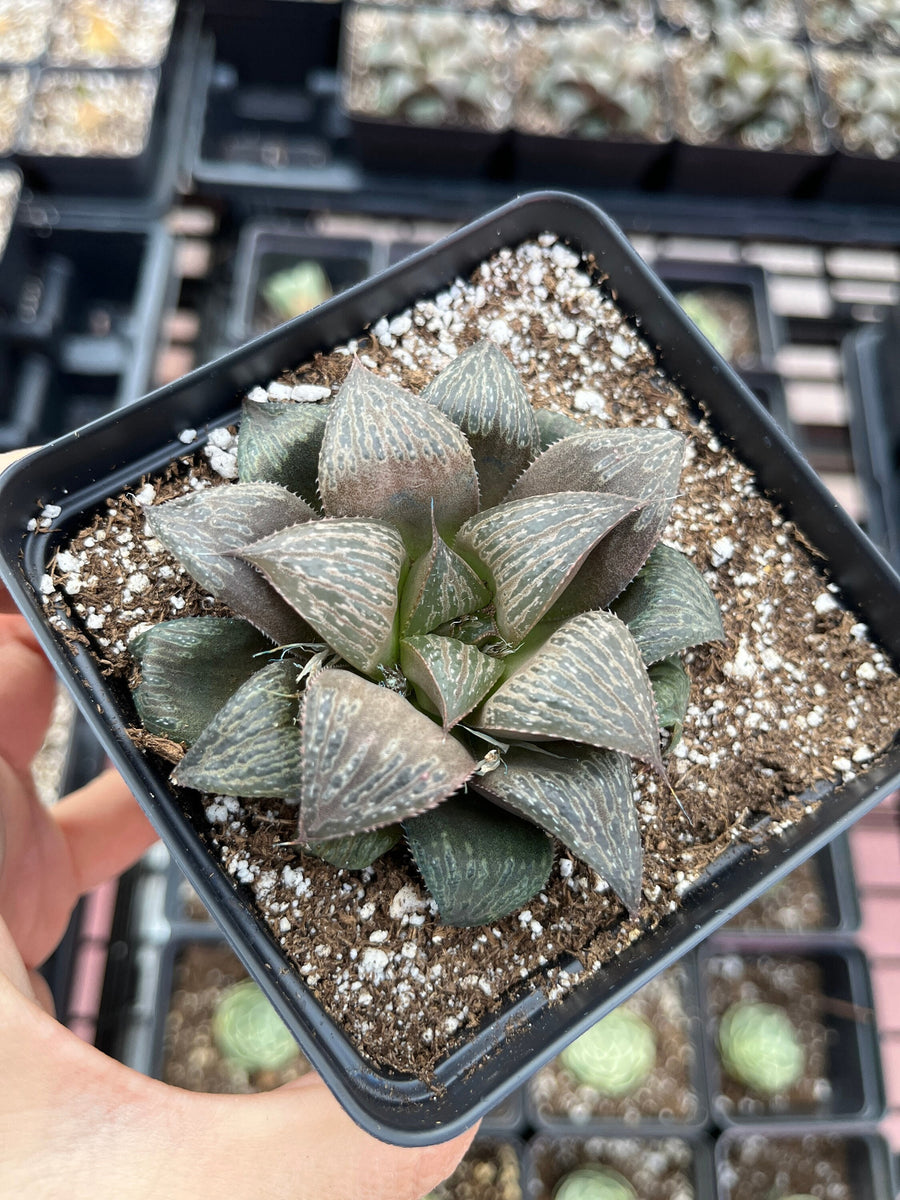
pixel 615 1056
pixel 248 1030
pixel 442 629
pixel 759 1046
pixel 594 1183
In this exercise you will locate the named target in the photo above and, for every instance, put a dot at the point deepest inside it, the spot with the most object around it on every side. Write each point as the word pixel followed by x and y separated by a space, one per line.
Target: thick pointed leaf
pixel 343 576
pixel 669 607
pixel 481 393
pixel 642 463
pixel 479 863
pixel 370 758
pixel 359 851
pixel 440 587
pixel 189 668
pixel 455 677
pixel 252 746
pixel 554 426
pixel 583 797
pixel 533 548
pixel 388 455
pixel 672 691
pixel 280 442
pixel 585 684
pixel 203 529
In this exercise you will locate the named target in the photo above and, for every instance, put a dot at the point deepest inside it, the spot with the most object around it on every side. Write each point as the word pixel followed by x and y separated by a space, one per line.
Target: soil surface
pixel 797 695
pixel 490 1171
pixel 795 905
pixel 657 1168
pixel 668 1092
pixel 761 1165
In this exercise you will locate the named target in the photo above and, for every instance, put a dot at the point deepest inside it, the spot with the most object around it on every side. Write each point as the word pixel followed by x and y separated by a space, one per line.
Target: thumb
pixel 84 1127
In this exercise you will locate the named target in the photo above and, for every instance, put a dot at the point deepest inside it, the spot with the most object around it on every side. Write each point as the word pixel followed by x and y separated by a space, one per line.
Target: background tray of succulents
pixel 524 1021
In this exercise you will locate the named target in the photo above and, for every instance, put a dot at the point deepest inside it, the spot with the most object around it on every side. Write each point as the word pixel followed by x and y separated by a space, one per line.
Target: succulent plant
pixel 594 1183
pixel 296 289
pixel 752 89
pixel 592 81
pixel 759 1047
pixel 838 21
pixel 615 1056
pixel 248 1030
pixel 429 67
pixel 866 96
pixel 423 599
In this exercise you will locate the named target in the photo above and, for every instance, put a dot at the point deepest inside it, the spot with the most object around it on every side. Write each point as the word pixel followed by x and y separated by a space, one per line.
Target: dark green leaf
pixel 481 393
pixel 343 577
pixel 672 690
pixel 388 455
pixel 370 758
pixel 554 426
pixel 189 668
pixel 642 463
pixel 252 746
pixel 533 548
pixel 440 587
pixel 583 797
pixel 455 677
pixel 280 442
pixel 479 863
pixel 585 684
pixel 359 851
pixel 203 529
pixel 669 607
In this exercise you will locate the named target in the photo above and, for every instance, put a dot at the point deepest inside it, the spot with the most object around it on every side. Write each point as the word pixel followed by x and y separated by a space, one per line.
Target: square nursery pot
pixel 530 1022
pixel 271 248
pixel 872 369
pixel 641 1072
pixel 818 898
pixel 493 1169
pixel 730 303
pixel 654 1168
pixel 839 1164
pixel 824 992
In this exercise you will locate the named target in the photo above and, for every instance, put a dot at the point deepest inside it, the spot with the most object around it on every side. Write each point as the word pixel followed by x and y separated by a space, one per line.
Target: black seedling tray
pixel 848 1014
pixel 80 471
pixel 867 1155
pixel 25 380
pixel 579 1150
pixel 768 388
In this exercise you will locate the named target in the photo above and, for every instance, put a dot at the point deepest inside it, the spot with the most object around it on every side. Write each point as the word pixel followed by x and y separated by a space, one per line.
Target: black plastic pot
pixel 548 1119
pixel 267 246
pixel 866 1162
pixel 871 360
pixel 722 170
pixel 588 162
pixel 25 379
pixel 768 388
pixel 79 471
pixel 832 870
pixel 847 1014
pixel 549 1158
pixel 746 283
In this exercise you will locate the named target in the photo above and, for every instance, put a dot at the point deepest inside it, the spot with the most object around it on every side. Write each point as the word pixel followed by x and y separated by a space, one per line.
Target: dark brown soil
pixel 796 695
pixel 191 1059
pixel 794 984
pixel 761 1165
pixel 657 1168
pixel 666 1095
pixel 795 905
pixel 490 1171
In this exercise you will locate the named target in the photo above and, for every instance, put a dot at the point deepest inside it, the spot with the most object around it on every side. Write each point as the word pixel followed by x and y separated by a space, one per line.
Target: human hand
pixel 80 1126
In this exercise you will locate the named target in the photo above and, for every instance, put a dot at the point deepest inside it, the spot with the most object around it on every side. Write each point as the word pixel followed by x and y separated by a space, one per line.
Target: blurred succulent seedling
pixel 615 1056
pixel 760 1047
pixel 594 1183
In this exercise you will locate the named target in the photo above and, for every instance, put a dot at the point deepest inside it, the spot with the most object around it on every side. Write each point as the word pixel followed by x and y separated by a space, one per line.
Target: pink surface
pixel 886 985
pixel 876 857
pixel 890 1058
pixel 880 933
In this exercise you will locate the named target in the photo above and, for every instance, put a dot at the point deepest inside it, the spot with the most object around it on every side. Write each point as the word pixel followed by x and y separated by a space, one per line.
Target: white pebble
pixel 223 462
pixel 863 671
pixel 404 902
pixel 723 550
pixel 589 401
pixel 146 495
pixel 378 936
pixel 258 395
pixel 863 754
pixel 824 603
pixel 46 586
pixel 308 393
pixel 187 435
pixel 279 391
pixel 51 510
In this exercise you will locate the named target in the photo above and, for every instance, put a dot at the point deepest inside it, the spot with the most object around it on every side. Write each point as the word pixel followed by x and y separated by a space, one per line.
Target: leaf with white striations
pixel 642 463
pixel 386 454
pixel 358 851
pixel 478 862
pixel 440 587
pixel 672 690
pixel 203 529
pixel 455 677
pixel 585 684
pixel 189 668
pixel 554 426
pixel 343 577
pixel 370 758
pixel 533 548
pixel 280 442
pixel 669 607
pixel 481 392
pixel 252 746
pixel 584 798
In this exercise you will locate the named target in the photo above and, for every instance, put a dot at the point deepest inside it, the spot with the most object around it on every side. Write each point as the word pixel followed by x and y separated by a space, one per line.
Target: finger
pixel 27 693
pixel 104 828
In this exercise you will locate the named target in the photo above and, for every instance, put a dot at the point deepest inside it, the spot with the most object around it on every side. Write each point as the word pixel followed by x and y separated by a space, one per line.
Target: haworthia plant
pixel 248 1031
pixel 615 1056
pixel 760 1046
pixel 424 640
pixel 594 1183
